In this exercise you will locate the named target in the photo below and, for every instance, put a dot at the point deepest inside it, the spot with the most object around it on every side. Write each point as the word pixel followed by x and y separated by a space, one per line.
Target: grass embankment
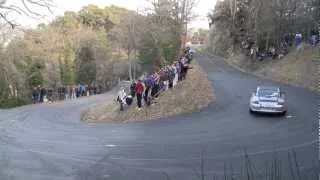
pixel 298 68
pixel 189 95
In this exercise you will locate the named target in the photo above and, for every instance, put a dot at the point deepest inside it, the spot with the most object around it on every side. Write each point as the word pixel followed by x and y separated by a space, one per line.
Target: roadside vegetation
pixel 260 37
pixel 190 95
pixel 92 46
pixel 79 47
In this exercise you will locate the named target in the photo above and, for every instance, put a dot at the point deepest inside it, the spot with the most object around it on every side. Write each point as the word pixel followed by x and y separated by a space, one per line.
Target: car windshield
pixel 268 93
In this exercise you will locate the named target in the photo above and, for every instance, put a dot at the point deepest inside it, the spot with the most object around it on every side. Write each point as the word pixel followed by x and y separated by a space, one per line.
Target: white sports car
pixel 267 99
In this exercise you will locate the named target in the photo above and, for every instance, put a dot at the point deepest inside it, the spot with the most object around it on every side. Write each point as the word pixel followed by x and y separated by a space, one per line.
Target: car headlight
pixel 281 103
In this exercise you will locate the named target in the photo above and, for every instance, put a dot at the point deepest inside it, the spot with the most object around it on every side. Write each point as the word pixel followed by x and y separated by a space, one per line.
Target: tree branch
pixel 14 8
pixel 25 9
pixel 13 25
pixel 43 3
pixel 28 9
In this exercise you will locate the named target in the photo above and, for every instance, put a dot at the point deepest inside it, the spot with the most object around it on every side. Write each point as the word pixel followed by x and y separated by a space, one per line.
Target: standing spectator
pixel 313 38
pixel 63 92
pixel 66 94
pixel 132 87
pixel 186 51
pixel 94 89
pixel 59 93
pixel 288 39
pixel 182 69
pixel 185 67
pixel 83 90
pixel 155 87
pixel 170 76
pixel 164 79
pixel 178 65
pixel 144 90
pixel 175 70
pixel 70 89
pixel 87 90
pixel 39 93
pixel 43 94
pixel 78 90
pixel 73 92
pixel 121 98
pixel 148 86
pixel 50 95
pixel 34 95
pixel 298 39
pixel 139 90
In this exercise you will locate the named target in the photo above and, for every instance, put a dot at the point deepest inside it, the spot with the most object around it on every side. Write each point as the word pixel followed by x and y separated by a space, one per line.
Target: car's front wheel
pixel 250 111
pixel 283 113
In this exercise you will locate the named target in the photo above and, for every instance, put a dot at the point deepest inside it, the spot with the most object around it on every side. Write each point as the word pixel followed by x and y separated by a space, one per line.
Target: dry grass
pixel 298 68
pixel 276 168
pixel 191 94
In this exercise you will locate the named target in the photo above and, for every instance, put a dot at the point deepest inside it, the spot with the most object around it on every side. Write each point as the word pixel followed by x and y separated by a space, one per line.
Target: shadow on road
pixel 266 115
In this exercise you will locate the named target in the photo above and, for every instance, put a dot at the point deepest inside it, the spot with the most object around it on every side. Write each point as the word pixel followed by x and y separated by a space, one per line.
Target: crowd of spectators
pixel 148 88
pixel 280 49
pixel 49 95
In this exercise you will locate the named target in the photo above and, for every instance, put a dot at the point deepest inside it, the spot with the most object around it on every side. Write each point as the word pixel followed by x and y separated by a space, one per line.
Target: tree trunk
pixel 292 23
pixel 130 64
pixel 183 19
pixel 119 50
pixel 135 65
pixel 267 41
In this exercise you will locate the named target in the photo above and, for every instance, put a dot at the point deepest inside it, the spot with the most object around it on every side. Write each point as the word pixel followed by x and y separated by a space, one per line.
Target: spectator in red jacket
pixel 139 91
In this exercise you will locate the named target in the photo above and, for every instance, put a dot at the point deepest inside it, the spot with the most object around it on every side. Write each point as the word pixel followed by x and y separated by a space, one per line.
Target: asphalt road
pixel 48 142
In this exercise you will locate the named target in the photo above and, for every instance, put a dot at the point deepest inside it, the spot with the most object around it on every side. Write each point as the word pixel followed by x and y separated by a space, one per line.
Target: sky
pixel 201 9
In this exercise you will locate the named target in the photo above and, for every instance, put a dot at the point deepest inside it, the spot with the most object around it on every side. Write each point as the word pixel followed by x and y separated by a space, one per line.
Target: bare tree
pixel 166 25
pixel 264 23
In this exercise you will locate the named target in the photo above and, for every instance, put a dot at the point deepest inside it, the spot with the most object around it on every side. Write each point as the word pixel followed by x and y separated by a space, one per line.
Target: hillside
pixel 299 67
pixel 245 32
